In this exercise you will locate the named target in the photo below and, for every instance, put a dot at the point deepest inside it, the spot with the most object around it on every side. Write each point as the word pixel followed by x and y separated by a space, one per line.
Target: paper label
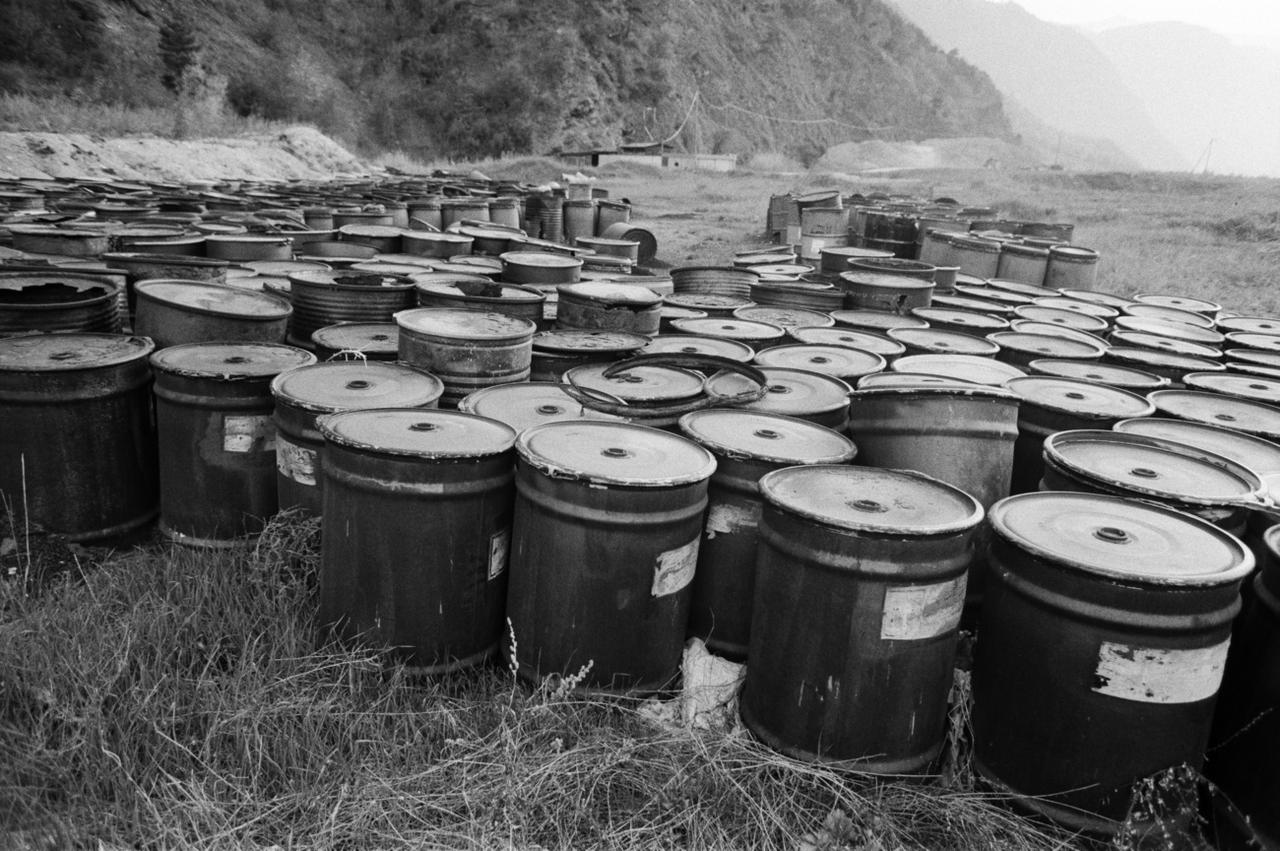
pixel 253 433
pixel 914 612
pixel 499 547
pixel 1152 675
pixel 674 569
pixel 295 462
pixel 725 519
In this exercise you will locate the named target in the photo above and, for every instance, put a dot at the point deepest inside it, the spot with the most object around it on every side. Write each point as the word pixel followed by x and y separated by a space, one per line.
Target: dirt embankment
pixel 296 152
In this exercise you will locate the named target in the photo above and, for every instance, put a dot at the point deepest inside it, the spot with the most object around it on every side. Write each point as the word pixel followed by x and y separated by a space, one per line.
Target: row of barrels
pixel 981 429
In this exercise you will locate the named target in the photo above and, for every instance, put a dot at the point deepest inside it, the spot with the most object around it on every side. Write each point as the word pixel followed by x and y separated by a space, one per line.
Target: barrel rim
pixel 159 358
pixel 1234 574
pixel 325 425
pixel 551 469
pixel 282 394
pixel 959 388
pixel 145 346
pixel 687 424
pixel 153 258
pixel 283 309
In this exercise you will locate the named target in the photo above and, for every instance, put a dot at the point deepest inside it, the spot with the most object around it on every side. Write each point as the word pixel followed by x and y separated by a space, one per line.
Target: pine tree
pixel 178 51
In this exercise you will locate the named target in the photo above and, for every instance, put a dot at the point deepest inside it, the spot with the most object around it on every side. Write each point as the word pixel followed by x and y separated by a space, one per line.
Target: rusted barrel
pixel 874 562
pixel 1211 486
pixel 557 352
pixel 483 295
pixel 173 312
pixel 1104 634
pixel 608 306
pixel 1051 405
pixel 217 438
pixel 325 298
pixel 77 436
pixel 57 302
pixel 608 520
pixel 1246 725
pixel 434 591
pixel 798 294
pixel 714 280
pixel 304 394
pixel 746 445
pixel 1071 267
pixel 880 291
pixel 376 341
pixel 466 349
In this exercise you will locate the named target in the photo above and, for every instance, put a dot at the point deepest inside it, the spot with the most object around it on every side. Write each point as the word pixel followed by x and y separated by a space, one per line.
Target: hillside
pixel 482 77
pixel 1055 73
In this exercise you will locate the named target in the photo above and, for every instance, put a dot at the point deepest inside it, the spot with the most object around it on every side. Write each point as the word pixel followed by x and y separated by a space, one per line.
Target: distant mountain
pixel 1214 99
pixel 1054 72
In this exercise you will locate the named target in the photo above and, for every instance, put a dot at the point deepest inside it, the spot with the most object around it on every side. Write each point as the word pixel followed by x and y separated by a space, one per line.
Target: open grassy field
pixel 170 699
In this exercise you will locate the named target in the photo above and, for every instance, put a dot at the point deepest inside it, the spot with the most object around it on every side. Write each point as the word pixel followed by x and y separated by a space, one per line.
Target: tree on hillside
pixel 178 52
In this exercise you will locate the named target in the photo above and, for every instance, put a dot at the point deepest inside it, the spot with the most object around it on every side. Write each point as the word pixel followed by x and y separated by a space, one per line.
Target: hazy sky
pixel 1254 18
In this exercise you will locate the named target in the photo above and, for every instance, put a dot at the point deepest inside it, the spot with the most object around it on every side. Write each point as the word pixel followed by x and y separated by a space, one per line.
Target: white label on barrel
pixel 499 546
pixel 913 612
pixel 295 462
pixel 1159 675
pixel 253 433
pixel 725 519
pixel 674 569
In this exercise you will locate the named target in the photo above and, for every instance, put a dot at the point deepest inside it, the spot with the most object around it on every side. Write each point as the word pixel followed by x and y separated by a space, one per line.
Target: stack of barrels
pixel 824 469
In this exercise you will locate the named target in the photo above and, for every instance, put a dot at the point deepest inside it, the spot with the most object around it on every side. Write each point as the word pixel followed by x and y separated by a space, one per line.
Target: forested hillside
pixel 485 77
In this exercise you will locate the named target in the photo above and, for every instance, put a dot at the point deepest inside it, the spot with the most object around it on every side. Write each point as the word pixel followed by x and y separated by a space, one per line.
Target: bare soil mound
pixel 296 152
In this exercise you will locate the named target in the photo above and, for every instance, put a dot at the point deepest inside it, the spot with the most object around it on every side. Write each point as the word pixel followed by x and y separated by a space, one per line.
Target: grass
pixel 65 114
pixel 173 699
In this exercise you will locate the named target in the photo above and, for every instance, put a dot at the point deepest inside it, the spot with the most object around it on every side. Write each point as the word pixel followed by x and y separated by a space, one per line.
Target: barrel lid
pixel 703 301
pixel 876 319
pixel 912 384
pixel 1058 316
pixel 1181 302
pixel 1174 330
pixel 885 280
pixel 1152 466
pixel 1031 326
pixel 435 236
pixel 954 316
pixel 141 257
pixel 1159 342
pixel 427 433
pixel 1005 298
pixel 825 196
pixel 347 385
pixel 943 342
pixel 702 345
pixel 1095 297
pixel 1078 306
pixel 849 338
pixel 1045 345
pixel 1260 455
pixel 229 361
pixel 539 260
pixel 1162 359
pixel 284 267
pixel 1244 386
pixel 1251 340
pixel 248 239
pixel 761 436
pixel 1250 324
pixel 352 281
pixel 971 368
pixel 840 361
pixel 1257 356
pixel 65 290
pixel 1099 373
pixel 871 499
pixel 522 404
pixel 1213 408
pixel 1021 287
pixel 608 453
pixel 608 292
pixel 370 231
pixel 1161 313
pixel 480 288
pixel 460 324
pixel 359 336
pixel 787 317
pixel 569 341
pixel 733 329
pixel 798 392
pixel 979 305
pixel 1081 398
pixel 64 352
pixel 1121 538
pixel 215 298
pixel 640 384
pixel 1073 253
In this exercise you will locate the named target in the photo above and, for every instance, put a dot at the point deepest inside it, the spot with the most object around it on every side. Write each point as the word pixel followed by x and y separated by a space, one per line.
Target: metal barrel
pixel 849 338
pixel 746 445
pixel 466 349
pixel 648 243
pixel 1025 263
pixel 608 520
pixel 416 531
pixel 885 292
pixel 812 396
pixel 77 434
pixel 304 394
pixel 714 280
pixel 528 403
pixel 608 306
pixel 579 219
pixel 482 295
pixel 324 298
pixel 557 352
pixel 838 361
pixel 57 302
pixel 969 368
pixel 379 341
pixel 217 438
pixel 1071 267
pixel 1246 724
pixel 610 213
pixel 1051 405
pixel 174 312
pixel 240 247
pixel 860 584
pixel 961 321
pixel 1103 639
pixel 1256 418
pixel 1020 348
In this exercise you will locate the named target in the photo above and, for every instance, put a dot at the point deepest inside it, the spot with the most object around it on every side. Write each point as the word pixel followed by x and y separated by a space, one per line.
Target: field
pixel 162 698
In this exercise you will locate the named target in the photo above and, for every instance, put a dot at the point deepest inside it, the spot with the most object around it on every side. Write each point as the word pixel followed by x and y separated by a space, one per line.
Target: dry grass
pixel 176 700
pixel 206 117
